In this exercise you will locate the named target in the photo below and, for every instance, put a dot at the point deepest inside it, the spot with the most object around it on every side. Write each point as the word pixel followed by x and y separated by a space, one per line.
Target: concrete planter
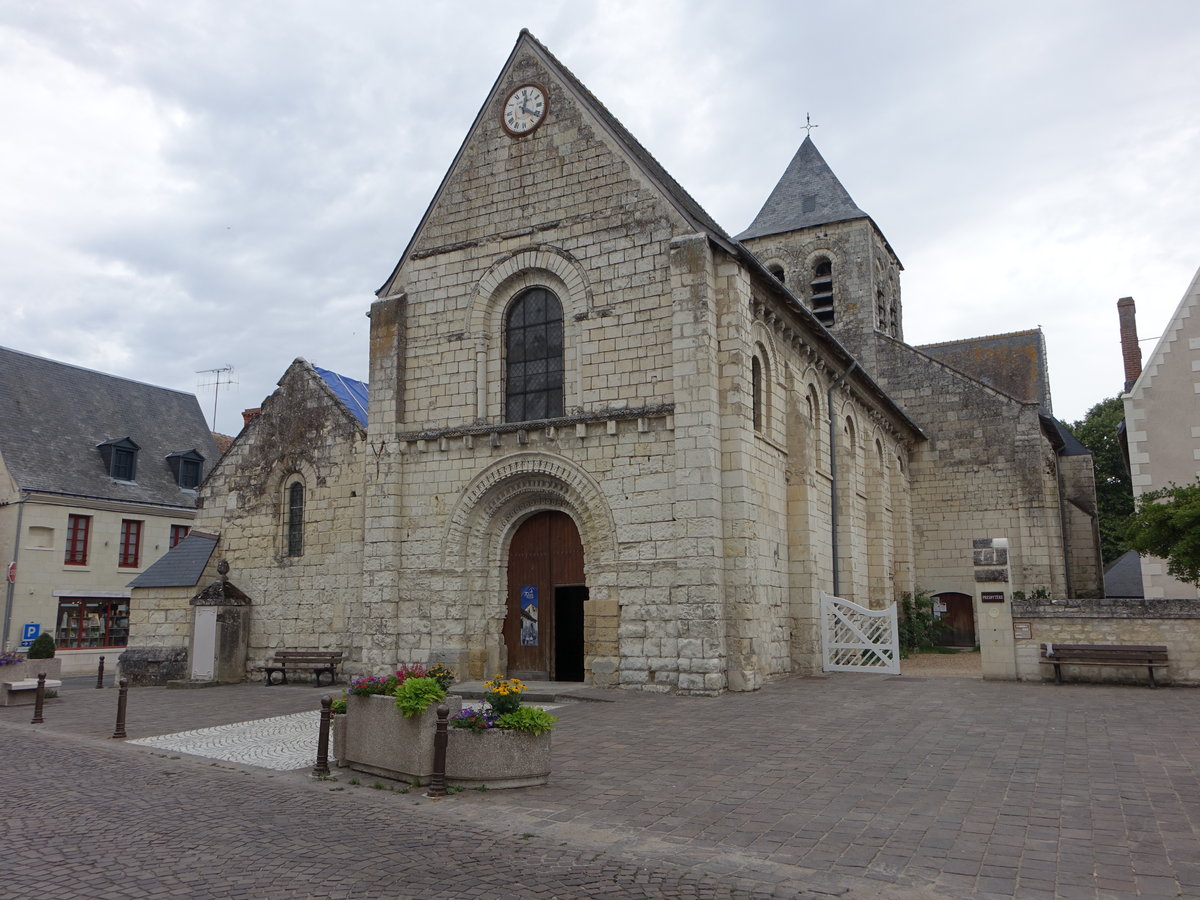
pixel 31 668
pixel 381 741
pixel 497 758
pixel 28 670
pixel 337 752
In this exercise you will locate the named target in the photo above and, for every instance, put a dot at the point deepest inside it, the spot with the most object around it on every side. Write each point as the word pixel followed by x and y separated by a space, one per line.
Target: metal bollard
pixel 122 700
pixel 39 698
pixel 437 778
pixel 321 769
pixel 100 674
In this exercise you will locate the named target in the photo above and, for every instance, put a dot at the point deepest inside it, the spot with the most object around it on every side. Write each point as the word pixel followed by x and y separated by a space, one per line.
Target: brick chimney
pixel 1131 353
pixel 249 414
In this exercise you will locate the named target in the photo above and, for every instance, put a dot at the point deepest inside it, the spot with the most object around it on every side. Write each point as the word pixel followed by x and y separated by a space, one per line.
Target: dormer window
pixel 188 467
pixel 120 458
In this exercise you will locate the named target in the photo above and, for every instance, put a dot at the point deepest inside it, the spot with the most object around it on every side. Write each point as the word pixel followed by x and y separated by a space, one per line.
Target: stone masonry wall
pixel 1173 623
pixel 986 469
pixel 306 601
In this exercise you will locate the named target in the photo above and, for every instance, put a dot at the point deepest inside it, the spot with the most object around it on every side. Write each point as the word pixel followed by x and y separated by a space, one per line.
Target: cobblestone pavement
pixel 885 786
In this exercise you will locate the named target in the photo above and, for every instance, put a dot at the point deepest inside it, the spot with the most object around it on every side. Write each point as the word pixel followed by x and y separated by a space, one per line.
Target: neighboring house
pixel 98 479
pixel 285 509
pixel 1162 417
pixel 609 442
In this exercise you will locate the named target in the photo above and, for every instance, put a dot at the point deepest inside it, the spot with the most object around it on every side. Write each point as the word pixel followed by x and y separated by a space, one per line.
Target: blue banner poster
pixel 529 615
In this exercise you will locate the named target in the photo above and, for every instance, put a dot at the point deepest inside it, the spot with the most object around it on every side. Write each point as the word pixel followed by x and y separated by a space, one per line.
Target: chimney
pixel 1131 353
pixel 249 414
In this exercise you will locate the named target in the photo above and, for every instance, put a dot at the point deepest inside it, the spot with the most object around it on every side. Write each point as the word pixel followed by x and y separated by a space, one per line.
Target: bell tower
pixel 813 237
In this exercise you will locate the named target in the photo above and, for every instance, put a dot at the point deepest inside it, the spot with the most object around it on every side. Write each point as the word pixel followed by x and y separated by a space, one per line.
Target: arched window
pixel 533 344
pixel 295 519
pixel 777 270
pixel 756 391
pixel 821 290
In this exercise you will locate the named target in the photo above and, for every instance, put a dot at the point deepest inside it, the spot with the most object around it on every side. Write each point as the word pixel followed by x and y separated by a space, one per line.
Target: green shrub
pixel 416 695
pixel 920 630
pixel 42 647
pixel 528 718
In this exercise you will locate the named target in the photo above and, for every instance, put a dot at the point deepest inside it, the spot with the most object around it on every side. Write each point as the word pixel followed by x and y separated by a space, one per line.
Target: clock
pixel 524 109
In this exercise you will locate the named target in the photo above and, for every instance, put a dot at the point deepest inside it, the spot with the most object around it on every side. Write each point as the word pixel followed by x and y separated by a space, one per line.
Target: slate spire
pixel 808 194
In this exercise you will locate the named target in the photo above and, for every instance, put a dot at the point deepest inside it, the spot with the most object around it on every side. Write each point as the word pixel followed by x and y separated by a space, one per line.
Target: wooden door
pixel 546 554
pixel 958 619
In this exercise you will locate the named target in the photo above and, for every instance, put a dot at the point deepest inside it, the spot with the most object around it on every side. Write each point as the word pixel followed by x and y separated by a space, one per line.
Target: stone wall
pixel 300 602
pixel 1173 623
pixel 987 468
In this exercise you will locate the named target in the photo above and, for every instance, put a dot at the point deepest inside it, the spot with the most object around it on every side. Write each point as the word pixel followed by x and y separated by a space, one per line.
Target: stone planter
pixel 31 668
pixel 28 670
pixel 381 741
pixel 497 758
pixel 337 752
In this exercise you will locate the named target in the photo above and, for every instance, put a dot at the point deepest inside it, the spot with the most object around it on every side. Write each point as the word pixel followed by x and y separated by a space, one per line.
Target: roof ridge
pixel 982 337
pixel 79 368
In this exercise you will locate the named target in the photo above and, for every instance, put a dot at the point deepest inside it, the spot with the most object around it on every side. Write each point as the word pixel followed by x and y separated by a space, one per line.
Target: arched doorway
pixel 957 615
pixel 543 627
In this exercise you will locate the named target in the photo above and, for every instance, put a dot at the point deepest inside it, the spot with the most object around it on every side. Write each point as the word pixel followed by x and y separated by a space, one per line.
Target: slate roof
pixel 808 194
pixel 53 416
pixel 353 394
pixel 182 565
pixel 1123 576
pixel 1013 363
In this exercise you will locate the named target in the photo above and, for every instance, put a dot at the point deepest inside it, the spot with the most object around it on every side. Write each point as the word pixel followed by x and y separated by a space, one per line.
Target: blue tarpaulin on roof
pixel 353 394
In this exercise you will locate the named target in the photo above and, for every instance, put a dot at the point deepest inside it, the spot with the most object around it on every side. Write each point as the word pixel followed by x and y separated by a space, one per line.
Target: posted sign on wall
pixel 29 632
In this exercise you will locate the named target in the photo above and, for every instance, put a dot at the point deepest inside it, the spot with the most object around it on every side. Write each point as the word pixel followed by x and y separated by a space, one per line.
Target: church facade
pixel 609 442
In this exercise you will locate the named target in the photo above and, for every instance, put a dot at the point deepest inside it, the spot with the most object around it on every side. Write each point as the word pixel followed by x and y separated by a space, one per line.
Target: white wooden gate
pixel 857 639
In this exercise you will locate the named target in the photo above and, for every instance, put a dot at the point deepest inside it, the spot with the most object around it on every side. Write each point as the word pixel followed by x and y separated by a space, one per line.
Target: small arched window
pixel 533 343
pixel 295 519
pixel 756 392
pixel 821 290
pixel 777 270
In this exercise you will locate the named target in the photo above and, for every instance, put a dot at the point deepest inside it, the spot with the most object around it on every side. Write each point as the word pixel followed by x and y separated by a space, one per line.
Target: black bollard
pixel 122 699
pixel 39 698
pixel 437 778
pixel 100 674
pixel 321 769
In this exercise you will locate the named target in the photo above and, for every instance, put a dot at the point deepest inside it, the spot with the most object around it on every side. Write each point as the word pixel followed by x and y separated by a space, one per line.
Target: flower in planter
pixel 11 658
pixel 475 719
pixel 442 674
pixel 366 685
pixel 504 694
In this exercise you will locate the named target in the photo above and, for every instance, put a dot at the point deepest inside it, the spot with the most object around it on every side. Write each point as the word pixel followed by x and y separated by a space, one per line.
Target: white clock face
pixel 524 109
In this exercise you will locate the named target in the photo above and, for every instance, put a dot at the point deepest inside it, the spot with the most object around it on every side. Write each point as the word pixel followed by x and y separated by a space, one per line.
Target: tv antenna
pixel 222 377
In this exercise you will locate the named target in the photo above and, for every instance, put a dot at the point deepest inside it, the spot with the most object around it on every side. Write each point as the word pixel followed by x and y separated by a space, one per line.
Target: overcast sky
pixel 191 185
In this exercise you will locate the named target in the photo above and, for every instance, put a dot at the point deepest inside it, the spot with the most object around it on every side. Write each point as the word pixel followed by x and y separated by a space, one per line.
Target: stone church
pixel 607 441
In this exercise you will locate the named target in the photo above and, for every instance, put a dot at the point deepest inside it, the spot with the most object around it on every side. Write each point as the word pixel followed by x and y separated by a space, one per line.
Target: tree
pixel 1166 524
pixel 1114 493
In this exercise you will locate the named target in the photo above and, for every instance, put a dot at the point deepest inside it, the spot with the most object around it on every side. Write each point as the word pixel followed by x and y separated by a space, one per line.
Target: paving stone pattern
pixel 281 743
pixel 883 786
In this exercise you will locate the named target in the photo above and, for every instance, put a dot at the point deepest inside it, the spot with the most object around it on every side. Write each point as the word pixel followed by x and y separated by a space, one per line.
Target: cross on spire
pixel 808 125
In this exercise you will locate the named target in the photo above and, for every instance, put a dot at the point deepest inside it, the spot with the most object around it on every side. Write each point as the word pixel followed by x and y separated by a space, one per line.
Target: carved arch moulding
pixel 515 487
pixel 539 266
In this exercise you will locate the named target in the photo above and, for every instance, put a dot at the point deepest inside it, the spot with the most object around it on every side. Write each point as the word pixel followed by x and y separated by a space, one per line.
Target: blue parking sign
pixel 29 632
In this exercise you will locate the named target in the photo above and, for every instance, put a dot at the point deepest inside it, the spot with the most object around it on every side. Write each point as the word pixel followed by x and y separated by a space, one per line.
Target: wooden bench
pixel 1148 655
pixel 319 662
